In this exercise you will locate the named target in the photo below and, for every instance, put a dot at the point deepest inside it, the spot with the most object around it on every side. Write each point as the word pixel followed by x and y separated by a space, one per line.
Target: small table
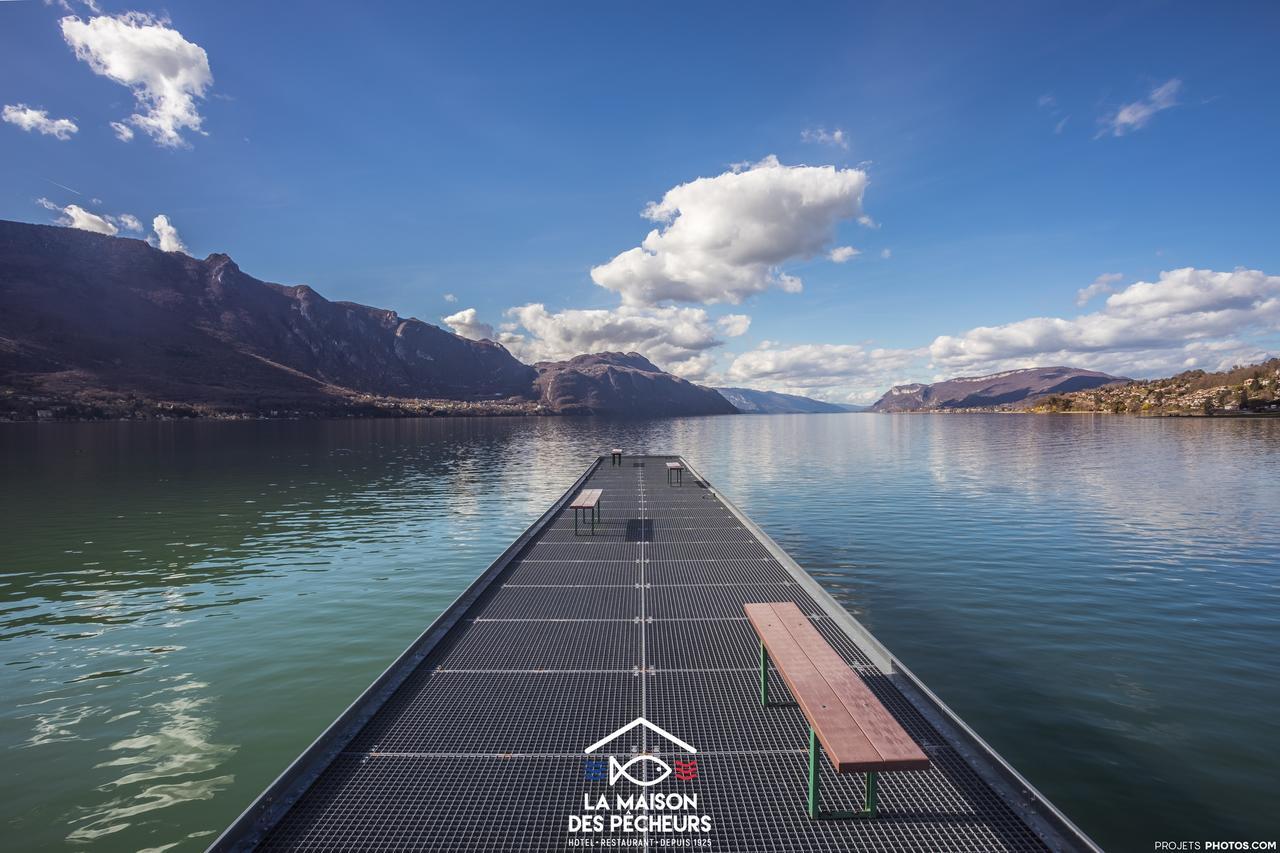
pixel 677 469
pixel 617 457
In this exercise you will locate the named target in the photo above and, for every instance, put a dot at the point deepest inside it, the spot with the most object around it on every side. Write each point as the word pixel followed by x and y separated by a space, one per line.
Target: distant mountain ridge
pixel 1008 388
pixel 615 383
pixel 753 402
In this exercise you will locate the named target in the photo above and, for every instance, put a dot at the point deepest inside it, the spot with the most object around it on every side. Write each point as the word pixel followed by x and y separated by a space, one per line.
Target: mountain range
pixel 752 402
pixel 997 390
pixel 622 383
pixel 98 326
pixel 95 326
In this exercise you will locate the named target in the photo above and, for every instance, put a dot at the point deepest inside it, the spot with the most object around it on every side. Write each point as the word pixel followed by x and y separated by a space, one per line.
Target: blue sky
pixel 1002 157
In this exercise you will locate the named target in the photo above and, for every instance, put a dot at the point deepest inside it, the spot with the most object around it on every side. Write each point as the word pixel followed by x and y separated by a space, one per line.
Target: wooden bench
pixel 616 457
pixel 588 500
pixel 856 731
pixel 677 469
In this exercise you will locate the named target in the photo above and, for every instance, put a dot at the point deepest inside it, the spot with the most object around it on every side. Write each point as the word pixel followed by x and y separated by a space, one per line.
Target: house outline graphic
pixel 619 771
pixel 640 721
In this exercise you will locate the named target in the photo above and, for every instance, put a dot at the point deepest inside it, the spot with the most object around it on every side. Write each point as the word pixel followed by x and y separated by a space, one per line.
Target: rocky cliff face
pixel 615 383
pixel 1009 388
pixel 85 311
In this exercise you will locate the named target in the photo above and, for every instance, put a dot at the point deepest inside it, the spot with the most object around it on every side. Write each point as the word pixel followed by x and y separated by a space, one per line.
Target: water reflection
pixel 169 760
pixel 183 607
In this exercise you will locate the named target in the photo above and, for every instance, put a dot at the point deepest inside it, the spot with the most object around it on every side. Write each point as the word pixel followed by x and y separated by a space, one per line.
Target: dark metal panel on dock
pixel 474 738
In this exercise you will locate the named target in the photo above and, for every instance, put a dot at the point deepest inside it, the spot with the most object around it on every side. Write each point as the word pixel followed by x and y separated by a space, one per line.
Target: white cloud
pixel 1061 125
pixel 840 254
pixel 849 372
pixel 123 132
pixel 886 254
pixel 466 324
pixel 722 239
pixel 820 135
pixel 449 297
pixel 166 72
pixel 166 237
pixel 30 119
pixel 1047 102
pixel 1136 115
pixel 676 339
pixel 75 216
pixel 1146 327
pixel 1104 283
pixel 734 325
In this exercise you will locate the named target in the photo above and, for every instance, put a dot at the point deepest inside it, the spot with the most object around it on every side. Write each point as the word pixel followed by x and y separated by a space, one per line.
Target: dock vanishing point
pixel 601 690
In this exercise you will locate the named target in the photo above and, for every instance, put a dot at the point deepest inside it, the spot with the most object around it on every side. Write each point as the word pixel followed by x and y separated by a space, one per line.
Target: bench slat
pixel 846 744
pixel 888 737
pixel 586 499
pixel 856 731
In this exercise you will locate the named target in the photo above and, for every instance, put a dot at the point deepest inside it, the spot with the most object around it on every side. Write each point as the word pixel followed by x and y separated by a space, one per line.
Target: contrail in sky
pixel 50 180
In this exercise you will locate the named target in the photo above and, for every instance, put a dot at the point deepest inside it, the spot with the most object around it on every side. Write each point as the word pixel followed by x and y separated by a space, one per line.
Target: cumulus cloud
pixel 840 254
pixel 843 372
pixel 31 119
pixel 676 339
pixel 166 237
pixel 165 72
pixel 820 135
pixel 466 324
pixel 886 254
pixel 1136 115
pixel 123 132
pixel 1104 283
pixel 75 216
pixel 449 297
pixel 1184 317
pixel 723 239
pixel 734 325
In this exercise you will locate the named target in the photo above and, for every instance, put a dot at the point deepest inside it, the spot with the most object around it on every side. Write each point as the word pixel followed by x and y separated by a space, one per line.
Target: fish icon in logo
pixel 622 771
pixel 619 771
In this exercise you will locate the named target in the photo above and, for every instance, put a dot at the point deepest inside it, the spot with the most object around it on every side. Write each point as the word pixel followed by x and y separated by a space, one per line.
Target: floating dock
pixel 511 723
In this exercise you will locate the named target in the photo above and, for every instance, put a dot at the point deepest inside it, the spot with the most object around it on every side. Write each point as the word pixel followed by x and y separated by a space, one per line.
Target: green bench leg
pixel 764 675
pixel 815 812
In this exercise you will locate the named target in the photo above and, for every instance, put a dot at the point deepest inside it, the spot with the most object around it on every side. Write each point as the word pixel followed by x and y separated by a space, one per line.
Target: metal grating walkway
pixel 474 739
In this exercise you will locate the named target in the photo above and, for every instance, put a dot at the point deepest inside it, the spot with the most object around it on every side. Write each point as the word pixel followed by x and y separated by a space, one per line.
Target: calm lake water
pixel 185 606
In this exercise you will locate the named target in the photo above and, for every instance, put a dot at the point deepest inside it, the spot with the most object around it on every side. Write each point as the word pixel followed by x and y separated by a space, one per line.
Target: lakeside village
pixel 1247 390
